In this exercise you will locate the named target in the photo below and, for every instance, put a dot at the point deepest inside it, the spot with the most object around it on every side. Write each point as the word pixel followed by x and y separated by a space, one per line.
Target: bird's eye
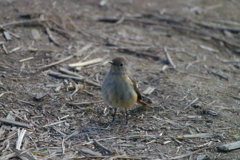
pixel 121 64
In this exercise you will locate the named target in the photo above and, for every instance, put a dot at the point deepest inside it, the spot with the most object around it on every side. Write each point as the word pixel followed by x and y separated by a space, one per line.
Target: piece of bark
pixel 90 152
pixel 5 120
pixel 199 135
pixel 39 96
pixel 7 36
pixel 229 146
pixel 4 127
pixel 148 91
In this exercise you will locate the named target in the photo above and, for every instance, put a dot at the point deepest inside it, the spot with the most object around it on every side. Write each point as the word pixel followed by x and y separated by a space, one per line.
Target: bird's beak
pixel 111 62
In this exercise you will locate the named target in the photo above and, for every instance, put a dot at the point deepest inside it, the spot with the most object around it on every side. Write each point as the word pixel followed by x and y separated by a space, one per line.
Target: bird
pixel 119 89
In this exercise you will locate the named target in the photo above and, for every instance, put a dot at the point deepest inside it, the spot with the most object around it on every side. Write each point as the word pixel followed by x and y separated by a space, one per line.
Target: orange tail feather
pixel 142 102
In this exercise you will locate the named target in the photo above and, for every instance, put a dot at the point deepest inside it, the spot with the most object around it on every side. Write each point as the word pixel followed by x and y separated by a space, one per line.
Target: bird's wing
pixel 139 99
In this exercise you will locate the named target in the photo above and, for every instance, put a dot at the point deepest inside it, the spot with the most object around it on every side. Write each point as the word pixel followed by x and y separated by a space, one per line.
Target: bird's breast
pixel 118 91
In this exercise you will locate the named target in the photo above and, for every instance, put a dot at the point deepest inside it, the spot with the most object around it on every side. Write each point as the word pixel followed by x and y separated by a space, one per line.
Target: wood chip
pixel 7 36
pixel 229 147
pixel 148 91
pixel 39 96
pixel 90 152
pixel 35 34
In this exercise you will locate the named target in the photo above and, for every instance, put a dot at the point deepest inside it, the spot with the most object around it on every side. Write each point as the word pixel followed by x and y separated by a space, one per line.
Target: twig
pixel 194 75
pixel 63 134
pixel 80 64
pixel 230 61
pixel 15 123
pixel 186 29
pixel 114 157
pixel 196 61
pixel 25 59
pixel 7 25
pixel 32 104
pixel 59 75
pixel 170 122
pixel 216 74
pixel 4 48
pixel 47 125
pixel 195 100
pixel 14 49
pixel 138 53
pixel 69 72
pixel 90 152
pixel 24 154
pixel 169 58
pixel 58 62
pixel 69 57
pixel 53 39
pixel 84 103
pixel 101 146
pixel 191 153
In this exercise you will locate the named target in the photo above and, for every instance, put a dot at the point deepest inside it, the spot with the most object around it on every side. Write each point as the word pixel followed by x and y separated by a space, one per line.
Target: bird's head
pixel 119 65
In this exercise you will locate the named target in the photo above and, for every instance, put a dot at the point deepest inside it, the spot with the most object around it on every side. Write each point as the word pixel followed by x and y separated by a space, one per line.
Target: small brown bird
pixel 119 90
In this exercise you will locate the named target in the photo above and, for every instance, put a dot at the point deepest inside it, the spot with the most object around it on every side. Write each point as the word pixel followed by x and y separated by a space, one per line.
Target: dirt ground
pixel 200 98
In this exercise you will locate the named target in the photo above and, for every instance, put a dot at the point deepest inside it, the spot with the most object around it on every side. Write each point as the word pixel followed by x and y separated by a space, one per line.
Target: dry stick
pixel 84 103
pixel 24 154
pixel 191 153
pixel 13 34
pixel 4 48
pixel 53 39
pixel 148 22
pixel 195 100
pixel 90 152
pixel 11 117
pixel 80 64
pixel 190 64
pixel 47 125
pixel 58 62
pixel 59 75
pixel 216 74
pixel 15 123
pixel 169 58
pixel 144 54
pixel 69 57
pixel 69 72
pixel 222 28
pixel 37 21
pixel 114 157
pixel 101 146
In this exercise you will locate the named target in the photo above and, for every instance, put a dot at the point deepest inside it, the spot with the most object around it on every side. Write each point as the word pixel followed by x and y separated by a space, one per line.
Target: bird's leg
pixel 114 114
pixel 126 112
